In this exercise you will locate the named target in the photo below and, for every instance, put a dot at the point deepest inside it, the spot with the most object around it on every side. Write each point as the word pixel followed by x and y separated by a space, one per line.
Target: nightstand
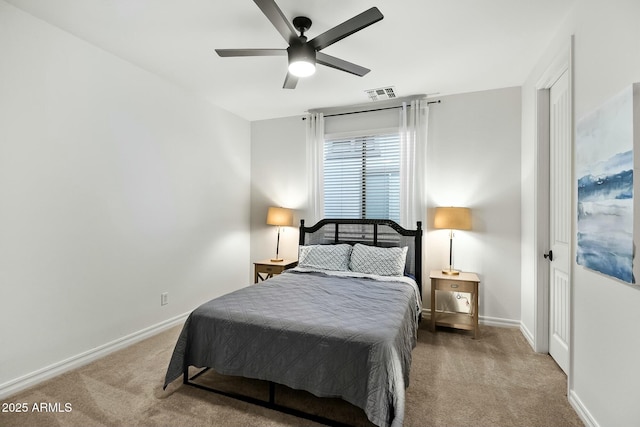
pixel 463 282
pixel 267 269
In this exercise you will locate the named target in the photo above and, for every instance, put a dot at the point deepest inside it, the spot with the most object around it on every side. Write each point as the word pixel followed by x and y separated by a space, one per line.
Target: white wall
pixel 474 159
pixel 115 186
pixel 606 345
pixel 278 178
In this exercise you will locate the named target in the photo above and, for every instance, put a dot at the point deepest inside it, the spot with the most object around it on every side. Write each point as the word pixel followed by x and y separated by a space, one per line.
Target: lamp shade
pixel 453 218
pixel 280 216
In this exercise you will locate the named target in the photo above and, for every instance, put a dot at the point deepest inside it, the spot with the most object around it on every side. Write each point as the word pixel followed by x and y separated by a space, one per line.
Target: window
pixel 362 176
pixel 368 165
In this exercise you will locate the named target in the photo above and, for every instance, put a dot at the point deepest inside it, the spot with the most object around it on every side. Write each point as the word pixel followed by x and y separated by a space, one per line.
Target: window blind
pixel 362 176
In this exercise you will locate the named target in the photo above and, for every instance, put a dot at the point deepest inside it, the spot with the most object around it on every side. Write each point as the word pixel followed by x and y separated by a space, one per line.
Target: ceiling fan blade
pixel 347 28
pixel 251 52
pixel 290 81
pixel 277 18
pixel 340 64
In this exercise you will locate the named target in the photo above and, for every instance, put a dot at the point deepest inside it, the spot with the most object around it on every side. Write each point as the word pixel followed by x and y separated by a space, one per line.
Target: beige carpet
pixel 496 380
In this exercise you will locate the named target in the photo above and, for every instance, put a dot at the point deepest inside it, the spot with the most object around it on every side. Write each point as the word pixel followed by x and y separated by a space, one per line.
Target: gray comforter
pixel 332 336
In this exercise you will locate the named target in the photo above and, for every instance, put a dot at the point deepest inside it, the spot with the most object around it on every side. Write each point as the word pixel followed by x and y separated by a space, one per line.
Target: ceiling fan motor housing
pixel 301 51
pixel 301 54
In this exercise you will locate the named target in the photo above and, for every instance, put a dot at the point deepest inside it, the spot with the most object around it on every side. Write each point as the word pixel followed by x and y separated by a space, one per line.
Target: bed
pixel 341 324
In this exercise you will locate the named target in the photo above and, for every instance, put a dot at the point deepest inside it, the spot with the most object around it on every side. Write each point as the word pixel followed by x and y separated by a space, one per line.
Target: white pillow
pixel 380 261
pixel 325 257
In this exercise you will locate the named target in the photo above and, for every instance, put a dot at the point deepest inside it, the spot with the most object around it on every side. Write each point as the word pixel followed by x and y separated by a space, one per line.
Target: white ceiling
pixel 420 47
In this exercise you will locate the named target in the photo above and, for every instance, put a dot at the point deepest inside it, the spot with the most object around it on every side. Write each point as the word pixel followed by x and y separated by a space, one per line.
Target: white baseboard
pixel 14 386
pixel 527 335
pixel 498 321
pixel 581 410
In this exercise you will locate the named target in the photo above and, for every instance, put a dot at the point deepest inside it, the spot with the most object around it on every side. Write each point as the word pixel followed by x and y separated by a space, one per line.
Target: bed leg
pixel 272 392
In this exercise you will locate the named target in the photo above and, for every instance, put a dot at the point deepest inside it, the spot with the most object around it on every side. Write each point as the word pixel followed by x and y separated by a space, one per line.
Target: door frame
pixel 561 63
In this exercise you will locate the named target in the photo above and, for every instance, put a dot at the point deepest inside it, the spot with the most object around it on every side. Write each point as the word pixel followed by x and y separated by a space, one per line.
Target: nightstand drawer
pixel 454 286
pixel 269 269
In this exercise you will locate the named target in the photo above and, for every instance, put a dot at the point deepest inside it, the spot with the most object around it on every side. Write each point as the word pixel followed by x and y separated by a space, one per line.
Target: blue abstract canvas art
pixel 604 167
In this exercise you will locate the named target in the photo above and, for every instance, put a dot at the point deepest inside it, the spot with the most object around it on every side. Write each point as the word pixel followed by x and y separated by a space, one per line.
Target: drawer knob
pixel 453 285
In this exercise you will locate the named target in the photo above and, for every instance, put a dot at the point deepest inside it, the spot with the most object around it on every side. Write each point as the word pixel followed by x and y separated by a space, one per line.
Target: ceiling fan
pixel 303 55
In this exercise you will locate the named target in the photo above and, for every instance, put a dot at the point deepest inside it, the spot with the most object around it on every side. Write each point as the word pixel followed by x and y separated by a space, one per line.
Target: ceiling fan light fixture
pixel 302 60
pixel 302 68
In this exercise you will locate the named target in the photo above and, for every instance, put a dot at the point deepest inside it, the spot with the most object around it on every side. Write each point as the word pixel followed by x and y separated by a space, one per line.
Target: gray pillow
pixel 380 261
pixel 325 257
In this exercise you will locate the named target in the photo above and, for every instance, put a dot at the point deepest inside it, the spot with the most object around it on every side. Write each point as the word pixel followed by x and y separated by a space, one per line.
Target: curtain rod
pixel 376 109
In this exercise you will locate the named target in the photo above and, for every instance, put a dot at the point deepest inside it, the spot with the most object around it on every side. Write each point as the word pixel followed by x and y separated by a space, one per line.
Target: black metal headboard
pixel 373 232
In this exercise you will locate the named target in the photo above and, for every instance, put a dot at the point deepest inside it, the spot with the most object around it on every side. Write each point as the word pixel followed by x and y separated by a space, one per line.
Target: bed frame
pixel 375 232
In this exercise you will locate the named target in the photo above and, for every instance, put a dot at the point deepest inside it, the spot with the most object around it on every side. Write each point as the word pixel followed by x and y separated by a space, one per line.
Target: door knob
pixel 549 255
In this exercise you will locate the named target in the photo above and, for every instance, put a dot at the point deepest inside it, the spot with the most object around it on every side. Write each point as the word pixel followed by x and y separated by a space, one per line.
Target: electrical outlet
pixel 164 298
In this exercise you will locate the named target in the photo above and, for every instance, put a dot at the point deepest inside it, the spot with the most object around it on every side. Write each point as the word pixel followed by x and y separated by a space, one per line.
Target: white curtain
pixel 413 163
pixel 315 166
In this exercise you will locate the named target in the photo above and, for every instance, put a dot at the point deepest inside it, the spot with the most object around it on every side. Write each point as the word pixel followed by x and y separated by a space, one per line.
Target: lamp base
pixel 450 272
pixel 277 259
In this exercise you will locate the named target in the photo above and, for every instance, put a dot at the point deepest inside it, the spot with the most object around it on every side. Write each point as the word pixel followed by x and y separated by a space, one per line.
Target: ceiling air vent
pixel 381 93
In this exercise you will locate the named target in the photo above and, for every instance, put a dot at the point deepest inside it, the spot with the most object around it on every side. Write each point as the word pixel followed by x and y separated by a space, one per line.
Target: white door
pixel 559 220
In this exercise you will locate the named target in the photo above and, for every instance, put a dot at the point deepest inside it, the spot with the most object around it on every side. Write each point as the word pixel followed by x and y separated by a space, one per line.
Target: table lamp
pixel 280 217
pixel 453 218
